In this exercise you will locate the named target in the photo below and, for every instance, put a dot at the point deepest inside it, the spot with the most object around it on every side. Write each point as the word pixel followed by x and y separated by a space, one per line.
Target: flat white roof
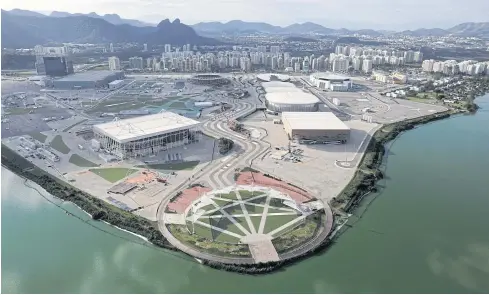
pixel 313 121
pixel 145 126
pixel 276 84
pixel 115 82
pixel 282 89
pixel 291 97
pixel 329 76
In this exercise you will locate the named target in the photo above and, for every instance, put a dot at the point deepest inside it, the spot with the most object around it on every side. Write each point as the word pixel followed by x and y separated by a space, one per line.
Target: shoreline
pixel 364 182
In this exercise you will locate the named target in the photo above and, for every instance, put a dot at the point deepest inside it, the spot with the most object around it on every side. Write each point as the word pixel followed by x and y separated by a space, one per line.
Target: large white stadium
pixel 328 81
pixel 146 135
pixel 285 97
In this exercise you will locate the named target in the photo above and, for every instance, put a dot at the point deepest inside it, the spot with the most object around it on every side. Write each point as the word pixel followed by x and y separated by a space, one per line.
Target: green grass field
pixel 254 209
pixel 260 201
pixel 38 136
pixel 256 220
pixel 274 222
pixel 81 162
pixel 229 196
pixel 113 174
pixel 248 194
pixel 58 144
pixel 18 111
pixel 222 203
pixel 189 165
pixel 212 234
pixel 236 209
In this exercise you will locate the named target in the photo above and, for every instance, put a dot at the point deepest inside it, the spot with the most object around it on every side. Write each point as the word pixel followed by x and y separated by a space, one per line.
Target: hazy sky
pixel 354 14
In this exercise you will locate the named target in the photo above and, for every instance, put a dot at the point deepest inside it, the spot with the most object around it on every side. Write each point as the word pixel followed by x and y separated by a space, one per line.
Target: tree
pixel 225 145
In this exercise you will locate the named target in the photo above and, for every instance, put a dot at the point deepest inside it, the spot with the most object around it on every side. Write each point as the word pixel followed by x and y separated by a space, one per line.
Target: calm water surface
pixel 427 231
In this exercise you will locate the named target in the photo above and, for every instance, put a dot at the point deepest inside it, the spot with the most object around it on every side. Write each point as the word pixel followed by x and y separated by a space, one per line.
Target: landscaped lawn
pixel 274 222
pixel 230 196
pixel 222 203
pixel 242 221
pixel 59 145
pixel 81 162
pixel 254 209
pixel 189 165
pixel 38 136
pixel 256 220
pixel 113 174
pixel 236 209
pixel 248 194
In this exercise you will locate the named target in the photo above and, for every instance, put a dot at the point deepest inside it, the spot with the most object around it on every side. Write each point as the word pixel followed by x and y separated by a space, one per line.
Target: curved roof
pixel 276 84
pixel 330 76
pixel 282 89
pixel 270 77
pixel 295 98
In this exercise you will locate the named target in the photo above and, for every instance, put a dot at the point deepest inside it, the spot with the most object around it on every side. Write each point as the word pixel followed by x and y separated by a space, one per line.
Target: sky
pixel 350 14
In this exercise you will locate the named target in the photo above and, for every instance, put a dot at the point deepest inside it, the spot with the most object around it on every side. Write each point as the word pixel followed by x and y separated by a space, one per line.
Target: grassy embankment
pixel 99 209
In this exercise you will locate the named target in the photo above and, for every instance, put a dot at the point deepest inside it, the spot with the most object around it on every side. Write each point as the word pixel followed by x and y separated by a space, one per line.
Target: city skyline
pixel 375 14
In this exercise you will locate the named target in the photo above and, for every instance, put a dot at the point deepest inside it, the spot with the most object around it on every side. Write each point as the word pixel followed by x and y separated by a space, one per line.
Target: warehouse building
pixel 88 80
pixel 320 127
pixel 146 135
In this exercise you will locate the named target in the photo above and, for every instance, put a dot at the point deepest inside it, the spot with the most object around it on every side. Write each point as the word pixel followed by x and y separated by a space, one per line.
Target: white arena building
pixel 273 77
pixel 285 97
pixel 318 126
pixel 327 81
pixel 146 135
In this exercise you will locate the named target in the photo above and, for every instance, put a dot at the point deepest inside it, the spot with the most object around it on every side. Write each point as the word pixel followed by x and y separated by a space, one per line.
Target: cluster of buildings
pixel 452 67
pixel 300 116
pixel 365 59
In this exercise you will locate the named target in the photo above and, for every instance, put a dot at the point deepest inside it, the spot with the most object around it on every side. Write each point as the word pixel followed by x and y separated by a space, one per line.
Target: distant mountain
pixel 238 26
pixel 471 29
pixel 425 32
pixel 235 26
pixel 114 19
pixel 28 31
pixel 307 28
pixel 22 12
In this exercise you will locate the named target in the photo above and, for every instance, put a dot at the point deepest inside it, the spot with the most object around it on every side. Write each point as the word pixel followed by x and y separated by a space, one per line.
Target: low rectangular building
pixel 88 80
pixel 146 135
pixel 315 126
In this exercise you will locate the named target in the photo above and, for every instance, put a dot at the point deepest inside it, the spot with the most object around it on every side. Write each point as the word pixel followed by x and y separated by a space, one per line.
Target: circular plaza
pixel 244 223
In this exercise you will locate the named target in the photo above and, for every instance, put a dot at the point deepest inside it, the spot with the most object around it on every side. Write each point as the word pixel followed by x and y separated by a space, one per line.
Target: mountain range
pixel 26 29
pixel 237 26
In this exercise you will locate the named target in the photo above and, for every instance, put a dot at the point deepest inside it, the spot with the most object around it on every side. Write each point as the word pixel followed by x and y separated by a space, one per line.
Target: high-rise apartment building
pixel 136 62
pixel 114 63
pixel 167 48
pixel 367 66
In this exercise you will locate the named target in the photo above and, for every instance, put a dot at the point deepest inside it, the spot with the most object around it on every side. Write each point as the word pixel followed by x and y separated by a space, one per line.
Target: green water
pixel 428 231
